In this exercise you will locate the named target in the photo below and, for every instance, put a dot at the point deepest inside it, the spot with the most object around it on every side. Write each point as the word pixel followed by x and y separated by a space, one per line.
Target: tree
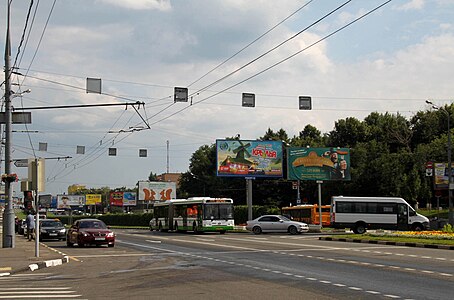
pixel 347 133
pixel 152 177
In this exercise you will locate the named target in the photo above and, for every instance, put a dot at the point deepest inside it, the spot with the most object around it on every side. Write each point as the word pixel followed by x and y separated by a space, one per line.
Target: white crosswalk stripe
pixel 34 286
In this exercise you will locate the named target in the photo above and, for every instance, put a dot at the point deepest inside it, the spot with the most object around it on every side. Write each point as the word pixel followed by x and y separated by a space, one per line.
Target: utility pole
pixel 8 214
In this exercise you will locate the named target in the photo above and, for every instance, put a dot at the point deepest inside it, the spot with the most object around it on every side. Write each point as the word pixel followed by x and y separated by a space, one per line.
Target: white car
pixel 276 223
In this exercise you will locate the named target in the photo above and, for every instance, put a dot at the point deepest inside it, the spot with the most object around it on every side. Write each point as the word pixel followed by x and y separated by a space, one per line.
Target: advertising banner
pixel 157 190
pixel 45 201
pixel 441 175
pixel 123 199
pixel 66 201
pixel 92 199
pixel 129 199
pixel 318 164
pixel 249 158
pixel 116 198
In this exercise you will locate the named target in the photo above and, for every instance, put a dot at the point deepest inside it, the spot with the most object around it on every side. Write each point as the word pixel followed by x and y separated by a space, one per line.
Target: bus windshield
pixel 218 211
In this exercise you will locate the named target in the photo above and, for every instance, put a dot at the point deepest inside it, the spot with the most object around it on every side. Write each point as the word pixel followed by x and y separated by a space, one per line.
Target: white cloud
pixel 412 5
pixel 163 5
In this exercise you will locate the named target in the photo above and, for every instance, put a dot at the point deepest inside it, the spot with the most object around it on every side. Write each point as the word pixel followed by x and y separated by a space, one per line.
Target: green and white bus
pixel 197 214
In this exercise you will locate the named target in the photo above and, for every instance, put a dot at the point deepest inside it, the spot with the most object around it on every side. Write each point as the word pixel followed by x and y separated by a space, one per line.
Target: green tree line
pixel 388 153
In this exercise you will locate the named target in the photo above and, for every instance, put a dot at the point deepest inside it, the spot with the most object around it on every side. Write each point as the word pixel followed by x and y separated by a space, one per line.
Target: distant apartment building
pixel 170 177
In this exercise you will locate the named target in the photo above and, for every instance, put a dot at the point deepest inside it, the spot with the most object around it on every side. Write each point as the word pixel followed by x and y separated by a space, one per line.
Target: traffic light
pixel 28 201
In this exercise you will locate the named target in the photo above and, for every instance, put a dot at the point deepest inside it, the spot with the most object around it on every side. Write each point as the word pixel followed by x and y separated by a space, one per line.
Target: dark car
pixel 51 229
pixel 22 227
pixel 90 232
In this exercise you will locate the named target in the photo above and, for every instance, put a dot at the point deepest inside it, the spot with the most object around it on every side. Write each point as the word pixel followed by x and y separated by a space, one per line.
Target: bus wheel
pixel 175 228
pixel 222 232
pixel 257 230
pixel 292 230
pixel 359 228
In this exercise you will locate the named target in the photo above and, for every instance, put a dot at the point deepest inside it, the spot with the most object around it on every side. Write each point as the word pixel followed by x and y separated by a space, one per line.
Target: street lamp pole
pixel 8 214
pixel 451 212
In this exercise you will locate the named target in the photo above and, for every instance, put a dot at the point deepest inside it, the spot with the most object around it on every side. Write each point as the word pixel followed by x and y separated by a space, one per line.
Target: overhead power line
pixel 276 64
pixel 271 50
pixel 251 43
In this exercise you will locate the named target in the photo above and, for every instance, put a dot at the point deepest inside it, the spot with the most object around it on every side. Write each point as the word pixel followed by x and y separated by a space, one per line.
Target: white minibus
pixel 362 213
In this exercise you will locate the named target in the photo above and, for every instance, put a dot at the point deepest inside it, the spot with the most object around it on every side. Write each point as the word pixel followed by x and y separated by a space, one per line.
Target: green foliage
pixel 388 156
pixel 448 228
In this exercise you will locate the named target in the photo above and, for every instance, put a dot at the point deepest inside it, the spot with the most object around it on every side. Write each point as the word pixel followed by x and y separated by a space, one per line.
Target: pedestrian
pixel 30 221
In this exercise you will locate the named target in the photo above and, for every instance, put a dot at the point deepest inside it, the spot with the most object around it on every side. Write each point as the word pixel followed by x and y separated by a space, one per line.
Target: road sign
pixel 21 163
pixel 305 102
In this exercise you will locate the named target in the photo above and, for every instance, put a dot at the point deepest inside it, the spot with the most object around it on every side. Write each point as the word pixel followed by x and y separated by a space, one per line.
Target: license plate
pixel 52 234
pixel 100 239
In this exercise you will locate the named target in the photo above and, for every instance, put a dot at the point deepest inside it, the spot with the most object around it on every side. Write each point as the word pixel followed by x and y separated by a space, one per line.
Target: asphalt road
pixel 154 265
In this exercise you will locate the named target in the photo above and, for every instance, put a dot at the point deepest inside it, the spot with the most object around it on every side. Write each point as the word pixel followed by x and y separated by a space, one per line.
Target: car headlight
pixel 84 234
pixel 43 231
pixel 62 230
pixel 110 234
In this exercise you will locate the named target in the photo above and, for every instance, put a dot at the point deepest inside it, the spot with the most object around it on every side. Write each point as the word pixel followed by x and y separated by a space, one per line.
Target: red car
pixel 90 232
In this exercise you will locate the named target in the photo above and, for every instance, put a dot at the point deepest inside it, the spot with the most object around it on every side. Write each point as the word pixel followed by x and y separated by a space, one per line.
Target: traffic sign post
pixel 21 163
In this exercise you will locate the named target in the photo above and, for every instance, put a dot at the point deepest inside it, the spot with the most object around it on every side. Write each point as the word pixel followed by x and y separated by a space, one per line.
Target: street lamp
pixel 199 179
pixel 451 212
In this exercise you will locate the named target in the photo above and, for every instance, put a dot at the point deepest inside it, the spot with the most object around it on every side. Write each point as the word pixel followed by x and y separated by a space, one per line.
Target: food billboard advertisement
pixel 249 158
pixel 441 176
pixel 157 190
pixel 66 201
pixel 318 164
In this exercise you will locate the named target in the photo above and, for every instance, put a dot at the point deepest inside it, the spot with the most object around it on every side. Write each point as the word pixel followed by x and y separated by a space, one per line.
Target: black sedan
pixel 51 229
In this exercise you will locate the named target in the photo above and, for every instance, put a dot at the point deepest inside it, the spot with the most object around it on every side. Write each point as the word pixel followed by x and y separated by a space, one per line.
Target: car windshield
pixel 51 224
pixel 92 224
pixel 284 218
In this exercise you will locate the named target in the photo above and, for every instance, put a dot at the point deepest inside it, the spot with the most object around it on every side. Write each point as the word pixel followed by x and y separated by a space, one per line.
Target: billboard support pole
pixel 298 195
pixel 249 197
pixel 319 182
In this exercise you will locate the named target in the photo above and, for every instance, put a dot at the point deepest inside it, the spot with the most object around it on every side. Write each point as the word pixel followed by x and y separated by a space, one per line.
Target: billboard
pixel 318 164
pixel 123 199
pixel 66 201
pixel 92 199
pixel 441 176
pixel 249 158
pixel 157 190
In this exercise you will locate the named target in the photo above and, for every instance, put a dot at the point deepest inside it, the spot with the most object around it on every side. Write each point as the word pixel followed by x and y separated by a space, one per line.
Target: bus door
pixel 402 216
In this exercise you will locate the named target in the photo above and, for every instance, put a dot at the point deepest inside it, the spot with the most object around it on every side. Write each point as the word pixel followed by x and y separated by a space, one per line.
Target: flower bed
pixel 435 235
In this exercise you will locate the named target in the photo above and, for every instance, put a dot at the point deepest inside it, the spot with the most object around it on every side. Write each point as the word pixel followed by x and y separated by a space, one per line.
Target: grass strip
pixel 424 241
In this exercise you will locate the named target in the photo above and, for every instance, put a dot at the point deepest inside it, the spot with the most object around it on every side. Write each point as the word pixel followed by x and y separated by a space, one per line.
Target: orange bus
pixel 308 214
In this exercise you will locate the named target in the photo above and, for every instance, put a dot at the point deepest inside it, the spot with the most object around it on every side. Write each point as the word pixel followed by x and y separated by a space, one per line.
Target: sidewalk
pixel 22 258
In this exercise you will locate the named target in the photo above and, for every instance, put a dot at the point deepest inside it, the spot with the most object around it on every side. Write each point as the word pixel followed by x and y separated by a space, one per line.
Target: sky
pixel 390 60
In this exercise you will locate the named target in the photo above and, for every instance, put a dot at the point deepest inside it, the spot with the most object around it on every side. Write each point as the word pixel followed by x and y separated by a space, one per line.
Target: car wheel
pixel 293 230
pixel 175 228
pixel 110 245
pixel 418 227
pixel 257 230
pixel 80 244
pixel 69 244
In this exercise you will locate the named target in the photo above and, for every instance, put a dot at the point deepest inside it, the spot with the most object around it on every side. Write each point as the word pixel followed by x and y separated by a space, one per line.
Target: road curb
pixel 7 271
pixel 431 246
